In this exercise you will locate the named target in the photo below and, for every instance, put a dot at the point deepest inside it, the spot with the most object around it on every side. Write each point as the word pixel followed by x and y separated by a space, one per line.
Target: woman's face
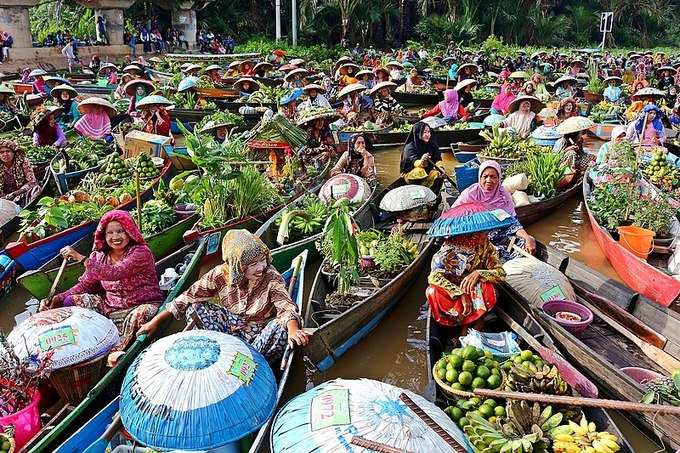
pixel 529 89
pixel 619 138
pixel 245 86
pixel 384 92
pixel 6 155
pixel 140 91
pixel 651 115
pixel 51 120
pixel 318 123
pixel 536 78
pixel 568 107
pixel 489 179
pixel 312 94
pixel 221 132
pixel 426 134
pixel 64 96
pixel 116 237
pixel 508 89
pixel 255 270
pixel 360 144
pixel 525 106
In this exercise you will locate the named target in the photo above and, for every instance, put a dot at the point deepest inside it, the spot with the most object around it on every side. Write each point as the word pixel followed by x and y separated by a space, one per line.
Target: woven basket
pixel 74 382
pixel 504 162
pixel 453 393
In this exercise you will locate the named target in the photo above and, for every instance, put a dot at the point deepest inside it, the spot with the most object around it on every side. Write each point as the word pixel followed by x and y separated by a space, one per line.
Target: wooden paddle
pixel 291 287
pixel 443 173
pixel 55 283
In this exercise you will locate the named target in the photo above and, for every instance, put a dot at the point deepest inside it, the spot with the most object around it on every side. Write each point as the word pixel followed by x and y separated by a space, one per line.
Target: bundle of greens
pixel 83 154
pixel 544 170
pixel 157 215
pixel 38 154
pixel 279 129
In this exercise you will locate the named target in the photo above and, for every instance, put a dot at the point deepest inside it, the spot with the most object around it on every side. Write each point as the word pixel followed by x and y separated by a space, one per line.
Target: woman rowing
pixel 245 296
pixel 420 158
pixel 120 277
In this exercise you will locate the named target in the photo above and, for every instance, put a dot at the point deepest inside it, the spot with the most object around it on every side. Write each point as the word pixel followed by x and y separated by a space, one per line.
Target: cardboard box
pixel 138 142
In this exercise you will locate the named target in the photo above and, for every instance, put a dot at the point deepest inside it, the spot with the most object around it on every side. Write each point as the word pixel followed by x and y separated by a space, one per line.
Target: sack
pixel 516 182
pixel 536 281
pixel 520 198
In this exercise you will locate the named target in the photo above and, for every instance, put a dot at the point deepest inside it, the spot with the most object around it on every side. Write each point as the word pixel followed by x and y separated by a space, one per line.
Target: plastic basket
pixel 26 422
pixel 465 176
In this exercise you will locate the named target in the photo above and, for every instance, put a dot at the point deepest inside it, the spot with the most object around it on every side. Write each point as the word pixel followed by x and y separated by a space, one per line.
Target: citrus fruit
pixel 499 411
pixel 456 413
pixel 469 365
pixel 517 359
pixel 470 353
pixel 495 371
pixel 452 376
pixel 449 366
pixel 507 365
pixel 483 372
pixel 457 351
pixel 441 363
pixel 492 420
pixel 476 401
pixel 456 361
pixel 478 383
pixel 529 365
pixel 488 354
pixel 457 385
pixel 526 355
pixel 489 363
pixel 463 422
pixel 538 362
pixel 441 373
pixel 493 381
pixel 485 411
pixel 465 378
pixel 490 402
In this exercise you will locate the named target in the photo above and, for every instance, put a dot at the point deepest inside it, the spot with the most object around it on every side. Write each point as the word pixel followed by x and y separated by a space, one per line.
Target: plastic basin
pixel 26 422
pixel 553 307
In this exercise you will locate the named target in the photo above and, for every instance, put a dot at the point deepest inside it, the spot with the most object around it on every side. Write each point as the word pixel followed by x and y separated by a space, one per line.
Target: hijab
pixel 453 71
pixel 502 100
pixel 125 220
pixel 47 134
pixel 239 249
pixel 415 146
pixel 356 159
pixel 658 125
pixel 449 106
pixel 497 198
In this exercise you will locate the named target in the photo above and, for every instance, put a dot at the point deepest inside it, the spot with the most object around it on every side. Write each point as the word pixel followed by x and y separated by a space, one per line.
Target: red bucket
pixel 26 422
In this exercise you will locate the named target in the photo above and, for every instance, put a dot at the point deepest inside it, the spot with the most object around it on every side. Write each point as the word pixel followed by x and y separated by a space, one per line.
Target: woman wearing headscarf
pixel 46 129
pixel 320 147
pixel 385 107
pixel 502 101
pixel 567 109
pixel 65 96
pixel 419 157
pixel 618 136
pixel 7 99
pixel 648 129
pixel 541 91
pixel 245 296
pixel 522 117
pixel 96 120
pixel 136 90
pixel 357 160
pixel 613 91
pixel 490 190
pixel 120 277
pixel 450 108
pixel 18 179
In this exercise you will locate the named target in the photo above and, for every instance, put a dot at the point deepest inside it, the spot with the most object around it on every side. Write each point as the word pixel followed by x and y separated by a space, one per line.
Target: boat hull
pixel 536 211
pixel 416 99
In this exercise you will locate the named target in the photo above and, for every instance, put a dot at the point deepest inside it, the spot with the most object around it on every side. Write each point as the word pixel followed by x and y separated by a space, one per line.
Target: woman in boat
pixel 381 75
pixel 213 73
pixel 295 78
pixel 109 72
pixel 415 83
pixel 420 158
pixel 674 117
pixel 385 107
pixel 137 90
pixel 541 91
pixel 315 97
pixel 522 115
pixel 246 68
pixel 320 146
pixel 528 89
pixel 245 296
pixel 65 96
pixel 612 93
pixel 618 136
pixel 574 132
pixel 288 104
pixel 461 282
pixel 490 190
pixel 18 180
pixel 7 104
pixel 565 87
pixel 395 71
pixel 96 120
pixel 39 86
pixel 155 117
pixel 357 160
pixel 450 108
pixel 568 108
pixel 46 129
pixel 466 71
pixel 356 108
pixel 330 88
pixel 120 277
pixel 245 87
pixel 120 89
pixel 464 90
pixel 502 101
pixel 366 78
pixel 654 133
pixel 347 74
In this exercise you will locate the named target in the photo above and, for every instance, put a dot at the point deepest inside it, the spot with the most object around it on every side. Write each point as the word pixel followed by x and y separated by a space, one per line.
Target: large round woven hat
pixel 346 66
pixel 187 83
pixel 234 64
pixel 617 79
pixel 379 86
pixel 574 124
pixel 131 87
pixel 465 83
pixel 314 113
pixel 68 335
pixel 365 72
pixel 239 83
pixel 372 410
pixel 53 81
pixel 564 78
pixel 670 69
pixel 262 66
pixel 471 66
pixel 57 90
pixel 211 125
pixel 546 133
pixel 133 68
pixel 342 60
pixel 468 218
pixel 196 390
pixel 106 67
pixel 37 73
pixel 407 197
pixel 6 89
pixel 39 115
pixel 155 60
pixel 154 99
pixel 99 102
pixel 294 72
pixel 344 185
pixel 536 104
pixel 519 75
pixel 648 92
pixel 297 62
pixel 313 86
pixel 192 68
pixel 394 64
pixel 351 88
pixel 213 67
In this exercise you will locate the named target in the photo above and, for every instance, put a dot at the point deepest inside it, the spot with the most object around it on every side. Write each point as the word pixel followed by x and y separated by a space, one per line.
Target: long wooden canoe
pixel 602 350
pixel 69 418
pixel 416 99
pixel 443 138
pixel 336 332
pixel 205 57
pixel 35 254
pixel 651 282
pixel 39 281
pixel 96 425
pixel 441 339
pixel 536 211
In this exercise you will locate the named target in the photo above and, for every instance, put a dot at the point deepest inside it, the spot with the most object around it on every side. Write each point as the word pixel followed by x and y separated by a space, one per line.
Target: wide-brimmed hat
pixel 469 218
pixel 670 69
pixel 396 64
pixel 351 88
pixel 633 55
pixel 37 73
pixel 314 86
pixel 297 62
pixel 536 105
pixel 649 91
pixel 186 83
pixel 131 87
pixel 40 115
pixel 343 60
pixel 6 89
pixel 564 78
pixel 614 78
pixel 364 72
pixel 213 67
pixel 383 70
pixel 468 65
pixel 131 68
pixel 234 64
pixel 262 66
pixel 56 91
pixel 315 113
pixel 154 99
pixel 107 67
pixel 239 83
pixel 295 72
pixel 155 60
pixel 379 86
pixel 345 67
pixel 192 67
pixel 462 84
pixel 518 75
pixel 576 61
pixel 537 54
pixel 53 81
pixel 244 62
pixel 211 125
pixel 99 102
pixel 574 124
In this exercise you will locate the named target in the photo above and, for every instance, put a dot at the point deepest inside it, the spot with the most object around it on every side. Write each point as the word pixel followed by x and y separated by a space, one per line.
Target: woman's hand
pixel 47 304
pixel 469 282
pixel 529 241
pixel 148 328
pixel 69 252
pixel 297 336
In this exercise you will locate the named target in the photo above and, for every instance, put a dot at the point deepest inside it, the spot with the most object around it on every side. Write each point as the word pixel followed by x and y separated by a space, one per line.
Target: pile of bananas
pixel 267 95
pixel 583 437
pixel 531 379
pixel 501 144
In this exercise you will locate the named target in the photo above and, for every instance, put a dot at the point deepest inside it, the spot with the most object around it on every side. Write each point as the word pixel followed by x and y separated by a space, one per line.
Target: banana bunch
pixel 313 220
pixel 524 419
pixel 530 379
pixel 501 144
pixel 487 438
pixel 583 437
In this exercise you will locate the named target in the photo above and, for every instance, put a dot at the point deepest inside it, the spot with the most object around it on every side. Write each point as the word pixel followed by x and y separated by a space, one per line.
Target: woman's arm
pixel 61 138
pixel 341 165
pixel 87 283
pixel 31 181
pixel 462 113
pixel 433 112
pixel 205 289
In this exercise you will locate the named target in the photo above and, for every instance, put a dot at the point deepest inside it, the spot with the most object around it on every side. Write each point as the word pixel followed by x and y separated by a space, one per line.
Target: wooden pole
pixel 139 200
pixel 433 425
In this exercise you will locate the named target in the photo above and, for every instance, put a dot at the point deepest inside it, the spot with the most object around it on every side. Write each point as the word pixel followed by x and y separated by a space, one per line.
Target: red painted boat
pixel 639 275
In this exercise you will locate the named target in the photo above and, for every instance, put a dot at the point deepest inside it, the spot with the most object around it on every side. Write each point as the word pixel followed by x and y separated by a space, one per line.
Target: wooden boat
pixel 335 332
pixel 605 347
pixel 158 76
pixel 206 57
pixel 69 180
pixel 10 227
pixel 35 254
pixel 39 281
pixel 441 339
pixel 443 137
pixel 416 99
pixel 269 81
pixel 96 425
pixel 234 107
pixel 95 89
pixel 534 212
pixel 218 93
pixel 343 136
pixel 189 115
pixel 70 418
pixel 641 276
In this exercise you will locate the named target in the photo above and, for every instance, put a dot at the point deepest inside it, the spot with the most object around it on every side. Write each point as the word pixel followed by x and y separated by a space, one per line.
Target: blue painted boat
pixel 69 180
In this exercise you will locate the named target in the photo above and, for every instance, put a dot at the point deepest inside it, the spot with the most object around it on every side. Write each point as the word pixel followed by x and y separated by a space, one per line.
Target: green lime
pixel 478 383
pixel 462 404
pixel 465 378
pixel 493 381
pixel 492 420
pixel 457 385
pixel 457 351
pixel 485 411
pixel 517 359
pixel 507 365
pixel 469 365
pixel 526 355
pixel 488 354
pixel 490 363
pixel 470 352
pixel 529 365
pixel 449 366
pixel 456 361
pixel 441 373
pixel 451 375
pixel 538 362
pixel 476 401
pixel 462 422
pixel 456 413
pixel 495 371
pixel 499 411
pixel 490 402
pixel 483 372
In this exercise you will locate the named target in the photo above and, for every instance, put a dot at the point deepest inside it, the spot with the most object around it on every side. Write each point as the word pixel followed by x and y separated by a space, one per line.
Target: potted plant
pixel 655 215
pixel 594 89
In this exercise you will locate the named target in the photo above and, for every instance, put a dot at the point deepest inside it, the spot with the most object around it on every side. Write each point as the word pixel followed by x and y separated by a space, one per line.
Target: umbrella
pixel 196 390
pixel 469 218
pixel 70 334
pixel 344 185
pixel 407 197
pixel 360 407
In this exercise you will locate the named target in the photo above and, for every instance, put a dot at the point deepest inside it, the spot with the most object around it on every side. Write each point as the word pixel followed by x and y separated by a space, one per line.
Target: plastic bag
pixel 502 345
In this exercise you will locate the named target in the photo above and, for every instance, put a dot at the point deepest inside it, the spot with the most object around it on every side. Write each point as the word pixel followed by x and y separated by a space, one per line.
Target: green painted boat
pixel 69 418
pixel 39 281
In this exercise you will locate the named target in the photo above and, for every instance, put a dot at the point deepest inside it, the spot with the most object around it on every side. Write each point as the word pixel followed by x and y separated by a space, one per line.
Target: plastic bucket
pixel 26 422
pixel 638 241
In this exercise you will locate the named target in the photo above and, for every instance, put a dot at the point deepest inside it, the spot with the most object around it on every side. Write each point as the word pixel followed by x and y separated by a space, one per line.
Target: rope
pixel 433 425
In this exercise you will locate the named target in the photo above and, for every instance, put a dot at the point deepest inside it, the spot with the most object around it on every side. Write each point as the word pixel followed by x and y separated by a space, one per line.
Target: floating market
pixel 196 244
